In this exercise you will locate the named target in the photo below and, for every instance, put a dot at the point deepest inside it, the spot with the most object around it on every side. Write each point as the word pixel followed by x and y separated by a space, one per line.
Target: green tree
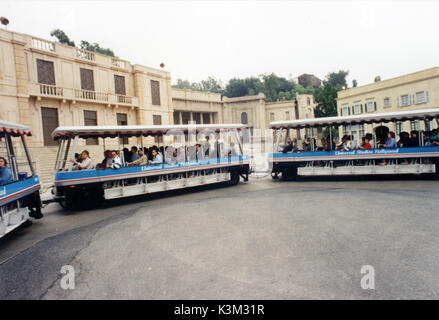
pixel 96 48
pixel 62 37
pixel 212 85
pixel 338 78
pixel 325 96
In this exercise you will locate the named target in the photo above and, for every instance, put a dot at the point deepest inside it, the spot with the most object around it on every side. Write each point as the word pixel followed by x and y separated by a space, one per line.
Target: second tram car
pixel 416 152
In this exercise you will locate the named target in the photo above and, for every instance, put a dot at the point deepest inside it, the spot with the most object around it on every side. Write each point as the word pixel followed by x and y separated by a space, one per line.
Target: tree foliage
pixel 62 37
pixel 211 84
pixel 326 95
pixel 96 48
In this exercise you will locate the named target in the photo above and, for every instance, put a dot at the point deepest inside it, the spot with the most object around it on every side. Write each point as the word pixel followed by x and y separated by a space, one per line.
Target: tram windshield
pixel 15 162
pixel 87 148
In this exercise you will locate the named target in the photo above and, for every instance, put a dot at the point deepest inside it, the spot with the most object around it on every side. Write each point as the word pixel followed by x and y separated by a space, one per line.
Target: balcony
pixel 84 54
pixel 70 94
pixel 41 44
pixel 118 63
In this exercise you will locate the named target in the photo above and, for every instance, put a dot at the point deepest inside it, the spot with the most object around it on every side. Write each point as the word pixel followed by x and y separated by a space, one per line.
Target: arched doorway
pixel 244 118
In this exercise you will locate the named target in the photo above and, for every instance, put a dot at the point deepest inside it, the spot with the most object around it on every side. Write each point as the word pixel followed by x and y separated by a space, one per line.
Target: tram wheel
pixel 234 178
pixel 289 174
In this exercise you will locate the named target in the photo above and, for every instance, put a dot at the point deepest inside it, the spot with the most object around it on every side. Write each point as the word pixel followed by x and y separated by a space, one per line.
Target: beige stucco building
pixel 45 84
pixel 418 90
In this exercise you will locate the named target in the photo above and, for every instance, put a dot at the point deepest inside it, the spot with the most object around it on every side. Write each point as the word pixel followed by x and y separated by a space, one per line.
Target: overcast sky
pixel 197 39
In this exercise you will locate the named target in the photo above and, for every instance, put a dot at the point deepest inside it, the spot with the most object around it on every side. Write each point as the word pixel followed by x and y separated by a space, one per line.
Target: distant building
pixel 308 80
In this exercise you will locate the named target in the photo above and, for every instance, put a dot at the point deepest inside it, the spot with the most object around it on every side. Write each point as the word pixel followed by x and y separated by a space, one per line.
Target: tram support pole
pixel 72 153
pixel 29 160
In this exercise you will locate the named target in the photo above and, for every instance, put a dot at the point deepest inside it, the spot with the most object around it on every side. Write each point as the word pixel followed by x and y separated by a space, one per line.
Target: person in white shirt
pixel 156 157
pixel 199 152
pixel 116 161
pixel 85 164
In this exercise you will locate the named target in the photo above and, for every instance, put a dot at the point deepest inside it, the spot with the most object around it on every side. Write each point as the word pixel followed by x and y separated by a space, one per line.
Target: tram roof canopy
pixel 356 119
pixel 14 129
pixel 129 131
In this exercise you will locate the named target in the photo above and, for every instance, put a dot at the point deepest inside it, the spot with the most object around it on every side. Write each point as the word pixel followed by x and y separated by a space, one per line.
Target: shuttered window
pixel 155 92
pixel 87 81
pixel 386 102
pixel 46 72
pixel 91 119
pixel 122 121
pixel 370 106
pixel 358 108
pixel 119 85
pixel 49 118
pixel 345 111
pixel 206 118
pixel 420 97
pixel 405 100
pixel 157 119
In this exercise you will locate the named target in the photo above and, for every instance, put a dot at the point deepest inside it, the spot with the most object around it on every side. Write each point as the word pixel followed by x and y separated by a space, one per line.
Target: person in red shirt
pixel 366 144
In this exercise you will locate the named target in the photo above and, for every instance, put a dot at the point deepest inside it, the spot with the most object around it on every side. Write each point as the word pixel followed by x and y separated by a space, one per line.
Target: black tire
pixel 289 173
pixel 234 178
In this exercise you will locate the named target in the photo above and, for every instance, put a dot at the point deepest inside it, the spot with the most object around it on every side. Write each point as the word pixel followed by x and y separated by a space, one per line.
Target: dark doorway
pixel 49 118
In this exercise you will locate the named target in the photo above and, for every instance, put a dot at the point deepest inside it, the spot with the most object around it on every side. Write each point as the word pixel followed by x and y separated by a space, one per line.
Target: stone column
pixel 139 91
pixel 21 80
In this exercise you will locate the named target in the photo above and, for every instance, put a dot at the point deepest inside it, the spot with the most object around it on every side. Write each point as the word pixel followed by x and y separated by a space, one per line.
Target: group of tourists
pixel 113 159
pixel 412 139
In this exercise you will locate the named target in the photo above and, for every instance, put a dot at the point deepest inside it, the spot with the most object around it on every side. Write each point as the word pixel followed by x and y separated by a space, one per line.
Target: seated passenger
pixel 290 147
pixel 116 161
pixel 133 156
pixel 85 164
pixel 346 144
pixel 414 140
pixel 5 172
pixel 403 141
pixel 142 160
pixel 434 135
pixel 307 146
pixel 366 144
pixel 390 141
pixel 157 157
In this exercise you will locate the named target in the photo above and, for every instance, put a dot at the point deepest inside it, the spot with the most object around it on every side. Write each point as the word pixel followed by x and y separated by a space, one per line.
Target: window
pixel 414 125
pixel 271 116
pixel 185 117
pixel 345 111
pixel 156 119
pixel 404 100
pixel 386 102
pixel 155 92
pixel 370 106
pixel 420 97
pixel 308 101
pixel 428 124
pixel 358 108
pixel 176 117
pixel 287 115
pixel 90 119
pixel 46 73
pixel 87 82
pixel 49 118
pixel 122 121
pixel 196 116
pixel 206 118
pixel 119 85
pixel 244 118
pixel 398 127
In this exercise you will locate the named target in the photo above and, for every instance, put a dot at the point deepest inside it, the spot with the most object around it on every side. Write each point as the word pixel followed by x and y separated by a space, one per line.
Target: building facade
pixel 418 90
pixel 45 84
